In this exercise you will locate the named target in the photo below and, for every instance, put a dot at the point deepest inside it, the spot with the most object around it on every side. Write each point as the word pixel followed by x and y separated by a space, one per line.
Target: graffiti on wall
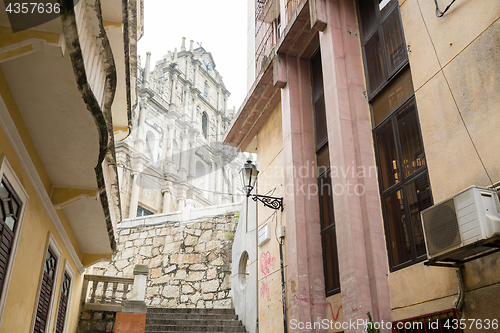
pixel 266 263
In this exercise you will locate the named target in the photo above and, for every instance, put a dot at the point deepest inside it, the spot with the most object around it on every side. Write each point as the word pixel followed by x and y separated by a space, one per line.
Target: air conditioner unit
pixel 469 216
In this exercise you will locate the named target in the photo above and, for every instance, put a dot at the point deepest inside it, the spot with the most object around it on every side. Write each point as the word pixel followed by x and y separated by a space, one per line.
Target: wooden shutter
pixel 42 310
pixel 9 214
pixel 63 303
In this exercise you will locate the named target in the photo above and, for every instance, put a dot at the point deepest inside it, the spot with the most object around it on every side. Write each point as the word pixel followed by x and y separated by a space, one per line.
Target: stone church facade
pixel 174 156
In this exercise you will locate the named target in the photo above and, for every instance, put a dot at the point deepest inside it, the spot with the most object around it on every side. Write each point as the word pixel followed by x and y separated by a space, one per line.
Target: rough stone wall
pixel 189 263
pixel 96 322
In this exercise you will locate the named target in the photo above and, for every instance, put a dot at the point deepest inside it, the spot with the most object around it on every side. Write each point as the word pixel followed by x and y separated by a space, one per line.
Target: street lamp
pixel 249 175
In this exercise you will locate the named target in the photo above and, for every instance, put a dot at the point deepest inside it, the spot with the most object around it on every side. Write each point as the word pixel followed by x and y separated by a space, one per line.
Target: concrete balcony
pixel 72 92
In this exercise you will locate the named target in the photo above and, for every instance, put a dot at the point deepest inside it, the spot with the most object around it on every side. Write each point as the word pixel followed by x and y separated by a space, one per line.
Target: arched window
pixel 204 124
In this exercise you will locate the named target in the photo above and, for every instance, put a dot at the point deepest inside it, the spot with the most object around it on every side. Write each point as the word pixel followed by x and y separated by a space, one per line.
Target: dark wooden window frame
pixel 364 40
pixel 401 185
pixel 70 274
pixel 6 172
pixel 56 252
pixel 390 77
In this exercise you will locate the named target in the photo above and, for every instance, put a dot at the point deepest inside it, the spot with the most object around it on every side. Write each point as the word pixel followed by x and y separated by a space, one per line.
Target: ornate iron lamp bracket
pixel 271 202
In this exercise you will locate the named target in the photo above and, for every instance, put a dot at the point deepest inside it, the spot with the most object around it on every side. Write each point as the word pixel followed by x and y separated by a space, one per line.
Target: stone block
pixel 180 274
pixel 210 286
pixel 139 242
pixel 226 283
pixel 200 248
pixel 97 315
pixel 211 273
pixel 208 296
pixel 171 291
pixel 123 232
pixel 85 315
pixel 121 264
pixel 206 236
pixel 156 272
pixel 197 267
pixel 170 268
pixel 158 241
pixel 195 276
pixel 111 271
pixel 145 251
pixel 171 247
pixel 133 236
pixel 211 245
pixel 151 291
pixel 190 258
pixel 190 240
pixel 83 326
pixel 155 262
pixel 187 289
pixel 207 225
pixel 99 326
pixel 217 262
pixel 222 304
pixel 128 252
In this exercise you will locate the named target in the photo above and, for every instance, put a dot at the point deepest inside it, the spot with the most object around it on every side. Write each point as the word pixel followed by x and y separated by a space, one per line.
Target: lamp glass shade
pixel 249 175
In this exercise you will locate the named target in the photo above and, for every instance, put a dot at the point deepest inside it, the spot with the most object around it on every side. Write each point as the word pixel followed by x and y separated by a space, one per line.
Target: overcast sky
pixel 219 25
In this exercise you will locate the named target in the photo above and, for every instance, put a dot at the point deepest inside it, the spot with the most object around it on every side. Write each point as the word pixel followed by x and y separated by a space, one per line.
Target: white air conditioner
pixel 469 216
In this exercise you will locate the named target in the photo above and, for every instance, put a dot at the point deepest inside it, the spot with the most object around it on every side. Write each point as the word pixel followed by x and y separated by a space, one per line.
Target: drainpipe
pixel 283 291
pixel 459 302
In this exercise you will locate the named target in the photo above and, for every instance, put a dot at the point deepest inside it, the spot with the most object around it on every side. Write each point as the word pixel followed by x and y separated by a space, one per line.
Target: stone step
pixel 193 322
pixel 203 316
pixel 190 310
pixel 163 320
pixel 193 328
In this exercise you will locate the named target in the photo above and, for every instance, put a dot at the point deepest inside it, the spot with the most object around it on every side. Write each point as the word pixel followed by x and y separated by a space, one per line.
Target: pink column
pixel 305 279
pixel 360 237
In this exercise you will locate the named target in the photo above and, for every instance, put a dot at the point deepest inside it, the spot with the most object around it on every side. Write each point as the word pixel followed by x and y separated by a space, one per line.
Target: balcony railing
pixel 105 293
pixel 290 8
pixel 93 53
pixel 265 32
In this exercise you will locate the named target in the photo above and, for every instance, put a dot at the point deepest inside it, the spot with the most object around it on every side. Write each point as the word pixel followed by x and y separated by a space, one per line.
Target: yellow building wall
pixel 27 267
pixel 465 42
pixel 271 178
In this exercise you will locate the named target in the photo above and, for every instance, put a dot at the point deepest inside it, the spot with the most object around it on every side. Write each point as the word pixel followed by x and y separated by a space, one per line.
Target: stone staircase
pixel 162 320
